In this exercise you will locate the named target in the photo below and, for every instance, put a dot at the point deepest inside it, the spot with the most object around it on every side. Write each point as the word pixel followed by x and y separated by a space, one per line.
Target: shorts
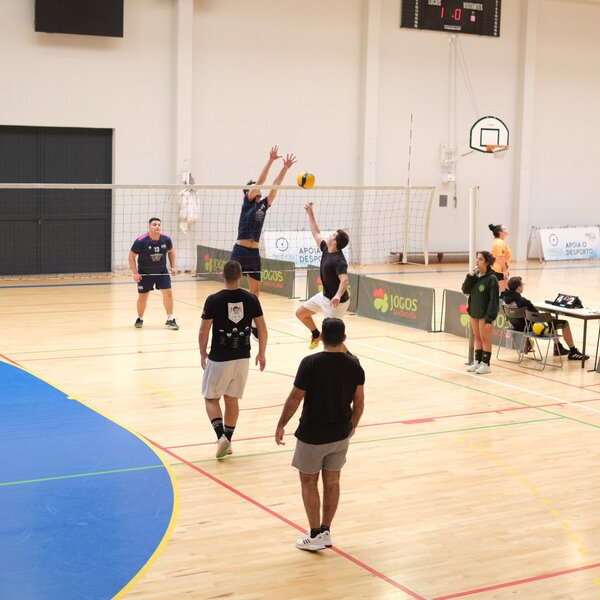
pixel 312 458
pixel 560 323
pixel 149 282
pixel 499 276
pixel 227 378
pixel 249 258
pixel 320 303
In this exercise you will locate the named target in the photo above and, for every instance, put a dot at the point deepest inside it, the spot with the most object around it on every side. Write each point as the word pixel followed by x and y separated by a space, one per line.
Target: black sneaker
pixel 254 331
pixel 561 350
pixel 172 324
pixel 576 355
pixel 139 323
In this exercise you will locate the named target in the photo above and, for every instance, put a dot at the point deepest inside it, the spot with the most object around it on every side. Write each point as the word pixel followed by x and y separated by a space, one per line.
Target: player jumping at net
pixel 148 264
pixel 252 219
pixel 333 301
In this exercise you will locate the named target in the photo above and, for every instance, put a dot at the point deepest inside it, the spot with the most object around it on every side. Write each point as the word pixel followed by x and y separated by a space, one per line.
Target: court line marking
pixel 427 345
pixel 285 520
pixel 76 475
pixel 487 379
pixel 385 439
pixel 517 582
pixel 504 367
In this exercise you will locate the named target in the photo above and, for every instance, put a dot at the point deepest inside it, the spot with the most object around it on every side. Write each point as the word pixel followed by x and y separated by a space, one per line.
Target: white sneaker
pixel 312 544
pixel 482 369
pixel 473 366
pixel 223 446
pixel 326 535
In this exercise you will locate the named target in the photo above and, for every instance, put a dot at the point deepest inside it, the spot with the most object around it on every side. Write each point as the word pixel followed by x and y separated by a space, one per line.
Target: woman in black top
pixel 481 285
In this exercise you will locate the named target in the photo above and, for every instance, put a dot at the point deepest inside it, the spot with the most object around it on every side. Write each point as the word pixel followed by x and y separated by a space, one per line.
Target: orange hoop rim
pixel 496 148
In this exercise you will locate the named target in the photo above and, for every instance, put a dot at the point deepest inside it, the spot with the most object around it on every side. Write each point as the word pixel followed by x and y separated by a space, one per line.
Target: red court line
pixel 241 494
pixel 407 422
pixel 517 582
pixel 9 360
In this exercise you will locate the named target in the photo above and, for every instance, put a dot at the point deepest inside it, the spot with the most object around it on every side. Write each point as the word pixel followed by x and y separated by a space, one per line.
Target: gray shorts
pixel 227 378
pixel 313 458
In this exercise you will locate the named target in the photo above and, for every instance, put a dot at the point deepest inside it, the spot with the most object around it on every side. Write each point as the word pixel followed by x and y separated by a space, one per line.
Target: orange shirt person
pixel 501 252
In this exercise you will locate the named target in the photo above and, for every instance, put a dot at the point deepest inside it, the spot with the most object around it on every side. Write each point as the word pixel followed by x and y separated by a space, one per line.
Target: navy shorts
pixel 149 282
pixel 249 258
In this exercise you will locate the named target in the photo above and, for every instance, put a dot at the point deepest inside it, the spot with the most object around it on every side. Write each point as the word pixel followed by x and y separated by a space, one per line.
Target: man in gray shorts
pixel 332 386
pixel 229 313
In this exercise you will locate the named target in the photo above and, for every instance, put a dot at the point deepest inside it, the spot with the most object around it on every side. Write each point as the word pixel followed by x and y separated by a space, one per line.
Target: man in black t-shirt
pixel 333 301
pixel 148 264
pixel 229 313
pixel 332 386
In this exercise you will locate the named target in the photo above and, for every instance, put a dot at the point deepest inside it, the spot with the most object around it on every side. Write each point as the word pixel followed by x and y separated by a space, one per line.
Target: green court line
pixel 385 439
pixel 74 476
pixel 483 392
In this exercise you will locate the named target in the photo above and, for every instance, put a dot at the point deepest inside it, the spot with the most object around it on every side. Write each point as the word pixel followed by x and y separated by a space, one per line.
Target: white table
pixel 585 314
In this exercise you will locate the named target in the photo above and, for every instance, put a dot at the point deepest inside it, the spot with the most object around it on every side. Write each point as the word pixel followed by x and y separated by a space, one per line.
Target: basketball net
pixel 497 150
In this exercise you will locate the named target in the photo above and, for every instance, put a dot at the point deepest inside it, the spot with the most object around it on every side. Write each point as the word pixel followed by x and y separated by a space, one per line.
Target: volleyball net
pixel 79 228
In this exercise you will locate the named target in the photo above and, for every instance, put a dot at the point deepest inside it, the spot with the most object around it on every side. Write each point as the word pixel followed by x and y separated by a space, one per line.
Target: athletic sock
pixel 324 528
pixel 485 358
pixel 228 431
pixel 315 532
pixel 478 355
pixel 217 426
pixel 169 317
pixel 315 333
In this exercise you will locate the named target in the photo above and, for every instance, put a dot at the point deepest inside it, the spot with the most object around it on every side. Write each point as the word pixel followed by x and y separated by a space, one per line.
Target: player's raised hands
pixel 290 159
pixel 274 153
pixel 309 208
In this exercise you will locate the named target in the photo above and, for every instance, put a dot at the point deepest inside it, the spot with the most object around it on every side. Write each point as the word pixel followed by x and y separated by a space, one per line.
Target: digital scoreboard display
pixel 478 17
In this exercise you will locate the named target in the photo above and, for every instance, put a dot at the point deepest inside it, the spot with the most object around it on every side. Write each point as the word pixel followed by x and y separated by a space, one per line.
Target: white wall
pixel 293 73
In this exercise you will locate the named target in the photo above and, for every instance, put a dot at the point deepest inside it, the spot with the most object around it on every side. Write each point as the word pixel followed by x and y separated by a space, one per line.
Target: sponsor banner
pixel 296 246
pixel 570 243
pixel 458 322
pixel 278 276
pixel 399 303
pixel 314 285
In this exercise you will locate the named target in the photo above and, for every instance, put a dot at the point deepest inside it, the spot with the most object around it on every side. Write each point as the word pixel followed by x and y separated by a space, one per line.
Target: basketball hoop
pixel 496 149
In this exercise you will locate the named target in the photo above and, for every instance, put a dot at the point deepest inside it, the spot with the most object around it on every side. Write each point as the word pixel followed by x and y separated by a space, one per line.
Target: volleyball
pixel 306 180
pixel 540 329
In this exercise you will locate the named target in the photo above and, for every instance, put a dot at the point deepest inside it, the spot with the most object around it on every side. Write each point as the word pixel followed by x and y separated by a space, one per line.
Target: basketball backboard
pixel 488 132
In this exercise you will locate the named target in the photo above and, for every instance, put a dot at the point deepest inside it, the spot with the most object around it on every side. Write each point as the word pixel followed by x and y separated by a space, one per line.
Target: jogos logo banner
pixel 314 285
pixel 399 303
pixel 457 321
pixel 278 276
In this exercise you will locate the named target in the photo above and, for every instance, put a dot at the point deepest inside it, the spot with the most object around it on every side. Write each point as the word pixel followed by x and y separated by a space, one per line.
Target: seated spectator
pixel 513 296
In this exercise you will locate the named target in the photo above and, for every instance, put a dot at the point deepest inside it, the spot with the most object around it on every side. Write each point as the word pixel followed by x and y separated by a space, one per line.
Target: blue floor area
pixel 84 503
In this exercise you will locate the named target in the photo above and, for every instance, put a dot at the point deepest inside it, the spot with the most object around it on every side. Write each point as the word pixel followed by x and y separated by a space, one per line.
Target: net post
pixel 405 228
pixel 473 201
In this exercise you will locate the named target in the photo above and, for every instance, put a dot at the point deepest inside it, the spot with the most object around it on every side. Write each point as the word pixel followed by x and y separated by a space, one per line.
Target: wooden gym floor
pixel 457 485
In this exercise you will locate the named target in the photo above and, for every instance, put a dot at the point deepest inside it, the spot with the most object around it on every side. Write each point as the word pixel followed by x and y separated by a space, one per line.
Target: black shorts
pixel 249 258
pixel 149 282
pixel 499 276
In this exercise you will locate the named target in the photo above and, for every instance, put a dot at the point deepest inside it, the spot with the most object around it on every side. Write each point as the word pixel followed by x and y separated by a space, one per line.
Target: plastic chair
pixel 552 338
pixel 513 339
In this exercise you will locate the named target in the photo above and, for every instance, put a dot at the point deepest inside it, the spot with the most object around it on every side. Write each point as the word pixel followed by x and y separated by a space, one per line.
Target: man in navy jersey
pixel 252 219
pixel 148 264
pixel 229 313
pixel 334 299
pixel 332 386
